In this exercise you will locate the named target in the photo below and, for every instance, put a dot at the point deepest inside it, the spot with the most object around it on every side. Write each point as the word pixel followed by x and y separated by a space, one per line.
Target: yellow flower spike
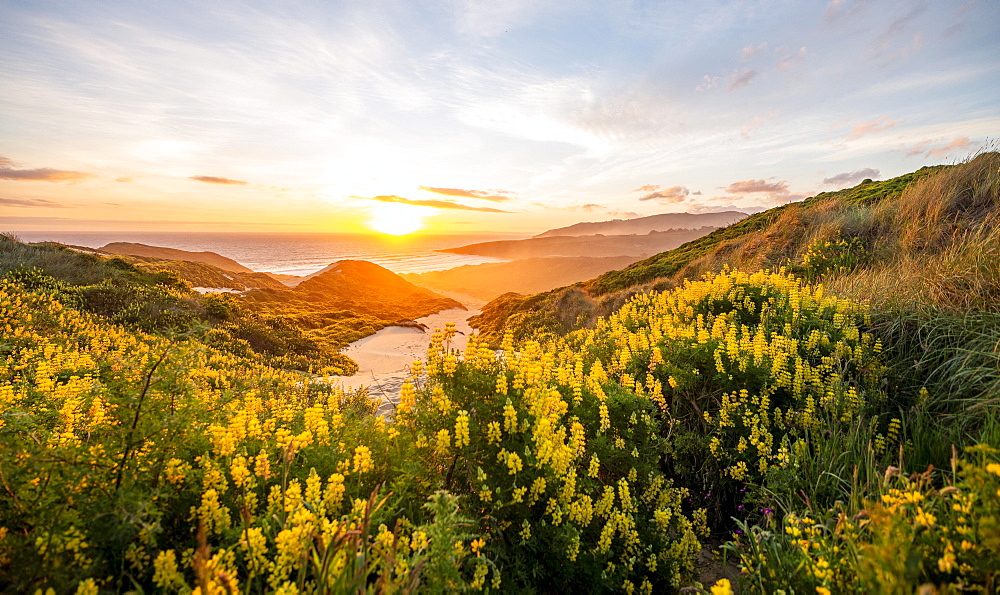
pixel 722 587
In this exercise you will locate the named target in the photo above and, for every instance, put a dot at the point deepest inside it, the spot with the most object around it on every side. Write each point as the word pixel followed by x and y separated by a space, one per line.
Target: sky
pixel 463 116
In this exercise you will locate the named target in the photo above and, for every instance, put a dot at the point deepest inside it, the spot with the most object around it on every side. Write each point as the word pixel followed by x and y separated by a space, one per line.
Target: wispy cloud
pixel 753 186
pixel 492 195
pixel 30 202
pixel 957 145
pixel 707 82
pixel 756 122
pixel 218 180
pixel 44 174
pixel 862 128
pixel 591 207
pixel 674 194
pixel 434 204
pixel 623 214
pixel 749 52
pixel 851 178
pixel 789 58
pixel 843 10
pixel 742 79
pixel 647 188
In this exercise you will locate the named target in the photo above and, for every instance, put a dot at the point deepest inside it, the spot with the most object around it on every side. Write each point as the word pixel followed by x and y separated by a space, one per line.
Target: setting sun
pixel 396 219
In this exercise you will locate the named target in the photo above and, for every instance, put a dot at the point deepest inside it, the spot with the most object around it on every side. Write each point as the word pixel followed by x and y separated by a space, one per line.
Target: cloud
pixel 623 214
pixel 863 128
pixel 591 207
pixel 959 144
pixel 30 202
pixel 493 195
pixel 218 180
pixel 673 194
pixel 843 10
pixel 723 208
pixel 44 174
pixel 434 204
pixel 707 82
pixel 756 122
pixel 851 178
pixel 647 188
pixel 125 179
pixel 790 58
pixel 751 51
pixel 742 79
pixel 752 186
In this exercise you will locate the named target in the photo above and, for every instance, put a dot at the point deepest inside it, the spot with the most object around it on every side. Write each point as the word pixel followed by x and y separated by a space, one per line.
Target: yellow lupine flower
pixel 722 587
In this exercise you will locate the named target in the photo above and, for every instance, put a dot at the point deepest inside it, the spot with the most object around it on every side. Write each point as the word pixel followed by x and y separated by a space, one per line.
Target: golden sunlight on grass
pixel 396 219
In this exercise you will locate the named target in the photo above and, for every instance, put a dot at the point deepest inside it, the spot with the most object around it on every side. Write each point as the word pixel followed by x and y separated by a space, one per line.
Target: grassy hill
pixel 302 328
pixel 153 296
pixel 159 252
pixel 203 275
pixel 350 300
pixel 938 224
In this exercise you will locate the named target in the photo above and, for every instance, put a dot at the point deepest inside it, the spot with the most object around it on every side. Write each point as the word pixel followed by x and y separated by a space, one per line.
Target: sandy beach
pixel 384 358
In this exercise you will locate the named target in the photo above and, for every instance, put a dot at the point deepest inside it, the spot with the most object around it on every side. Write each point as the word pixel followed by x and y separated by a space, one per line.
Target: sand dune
pixel 384 358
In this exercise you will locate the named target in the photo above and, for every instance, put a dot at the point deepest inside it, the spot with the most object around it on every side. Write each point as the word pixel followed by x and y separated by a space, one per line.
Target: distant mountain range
pixel 644 225
pixel 593 245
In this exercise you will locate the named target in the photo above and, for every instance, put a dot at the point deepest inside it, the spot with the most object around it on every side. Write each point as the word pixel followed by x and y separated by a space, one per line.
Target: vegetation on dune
pixel 198 274
pixel 158 252
pixel 160 301
pixel 596 461
pixel 833 443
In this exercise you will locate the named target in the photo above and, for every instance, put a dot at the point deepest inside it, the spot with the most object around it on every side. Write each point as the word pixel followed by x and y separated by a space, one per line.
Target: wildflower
pixel 363 459
pixel 925 518
pixel 722 587
pixel 947 562
pixel 477 544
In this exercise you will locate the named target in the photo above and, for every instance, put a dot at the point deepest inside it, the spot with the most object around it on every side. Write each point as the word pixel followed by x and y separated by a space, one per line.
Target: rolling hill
pixel 350 300
pixel 159 252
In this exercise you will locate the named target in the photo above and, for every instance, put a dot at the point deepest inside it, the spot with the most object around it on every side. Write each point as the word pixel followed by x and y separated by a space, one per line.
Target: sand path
pixel 384 358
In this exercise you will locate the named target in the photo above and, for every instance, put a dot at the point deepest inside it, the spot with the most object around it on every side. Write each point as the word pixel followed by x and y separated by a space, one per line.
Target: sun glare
pixel 396 219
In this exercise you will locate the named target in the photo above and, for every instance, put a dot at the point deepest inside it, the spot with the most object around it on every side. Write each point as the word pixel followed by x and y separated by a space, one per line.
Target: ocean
pixel 295 253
